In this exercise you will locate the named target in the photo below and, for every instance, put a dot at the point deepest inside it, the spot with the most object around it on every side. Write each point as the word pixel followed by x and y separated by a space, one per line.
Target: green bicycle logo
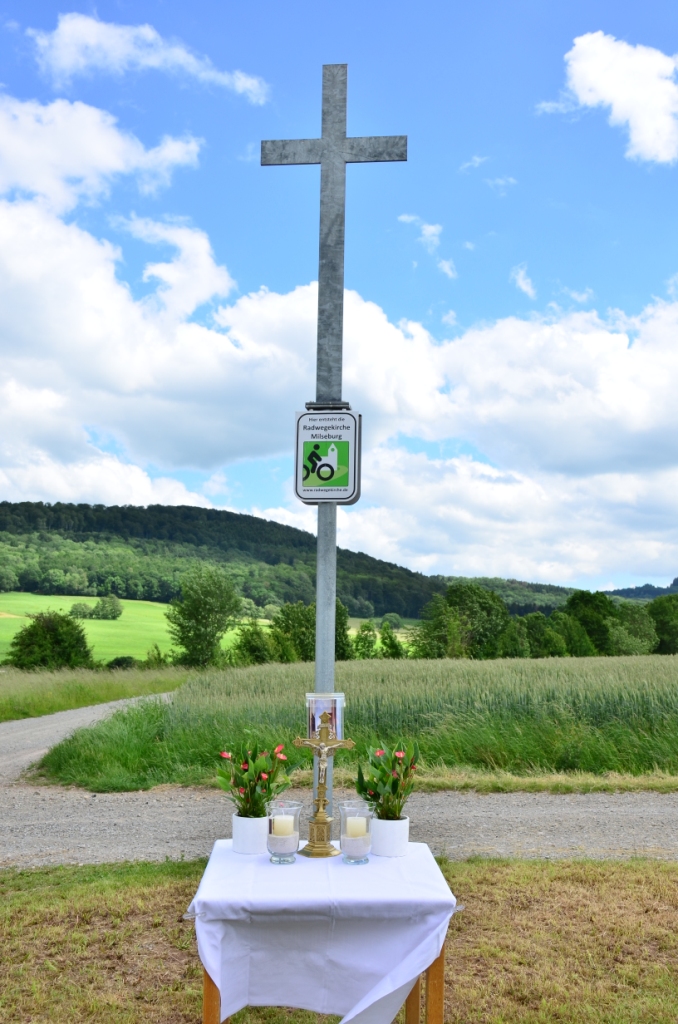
pixel 325 462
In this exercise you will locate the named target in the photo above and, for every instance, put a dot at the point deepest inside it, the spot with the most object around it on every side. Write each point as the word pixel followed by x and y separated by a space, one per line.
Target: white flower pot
pixel 390 838
pixel 249 834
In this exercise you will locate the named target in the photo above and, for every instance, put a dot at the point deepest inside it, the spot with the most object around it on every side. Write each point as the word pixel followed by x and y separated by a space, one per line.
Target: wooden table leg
pixel 211 1001
pixel 413 1004
pixel 435 990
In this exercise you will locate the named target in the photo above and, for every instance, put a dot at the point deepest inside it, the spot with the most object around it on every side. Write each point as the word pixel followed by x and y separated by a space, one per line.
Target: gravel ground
pixel 52 825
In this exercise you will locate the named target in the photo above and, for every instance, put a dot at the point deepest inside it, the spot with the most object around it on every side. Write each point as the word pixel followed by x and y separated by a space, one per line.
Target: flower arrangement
pixel 253 779
pixel 390 779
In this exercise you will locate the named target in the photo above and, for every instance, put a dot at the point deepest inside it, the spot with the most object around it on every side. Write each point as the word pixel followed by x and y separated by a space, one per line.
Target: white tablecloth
pixel 320 934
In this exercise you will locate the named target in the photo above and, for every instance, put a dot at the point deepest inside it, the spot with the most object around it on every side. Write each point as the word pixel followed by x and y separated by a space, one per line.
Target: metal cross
pixel 332 151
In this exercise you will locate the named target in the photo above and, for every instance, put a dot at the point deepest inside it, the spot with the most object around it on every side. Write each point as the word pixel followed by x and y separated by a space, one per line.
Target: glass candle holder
pixel 356 834
pixel 283 831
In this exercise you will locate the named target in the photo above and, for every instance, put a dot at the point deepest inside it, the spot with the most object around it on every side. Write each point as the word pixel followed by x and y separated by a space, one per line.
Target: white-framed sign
pixel 327 466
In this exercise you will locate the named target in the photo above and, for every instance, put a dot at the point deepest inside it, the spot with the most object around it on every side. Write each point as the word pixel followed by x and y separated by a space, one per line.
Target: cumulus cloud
pixel 429 236
pixel 577 425
pixel 636 83
pixel 81 44
pixel 520 279
pixel 448 268
pixel 65 152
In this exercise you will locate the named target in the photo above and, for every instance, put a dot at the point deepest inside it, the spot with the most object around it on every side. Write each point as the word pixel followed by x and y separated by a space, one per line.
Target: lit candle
pixel 283 824
pixel 356 827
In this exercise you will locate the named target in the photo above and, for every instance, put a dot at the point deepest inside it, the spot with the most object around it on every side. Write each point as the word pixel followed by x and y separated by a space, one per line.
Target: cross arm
pixel 291 151
pixel 375 148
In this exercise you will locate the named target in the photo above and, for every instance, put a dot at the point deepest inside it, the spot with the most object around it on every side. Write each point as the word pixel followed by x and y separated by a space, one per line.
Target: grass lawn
pixel 573 942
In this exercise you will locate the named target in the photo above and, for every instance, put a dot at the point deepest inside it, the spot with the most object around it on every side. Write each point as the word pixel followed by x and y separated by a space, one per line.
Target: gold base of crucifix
pixel 320 825
pixel 320 830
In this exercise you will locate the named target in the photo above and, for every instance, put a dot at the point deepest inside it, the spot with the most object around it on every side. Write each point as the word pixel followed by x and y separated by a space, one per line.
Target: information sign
pixel 328 457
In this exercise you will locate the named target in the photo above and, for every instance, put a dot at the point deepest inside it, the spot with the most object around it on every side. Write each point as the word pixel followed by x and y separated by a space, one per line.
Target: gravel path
pixel 51 825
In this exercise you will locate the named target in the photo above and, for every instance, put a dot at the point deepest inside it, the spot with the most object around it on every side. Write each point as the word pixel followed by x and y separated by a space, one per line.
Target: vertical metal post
pixel 325 617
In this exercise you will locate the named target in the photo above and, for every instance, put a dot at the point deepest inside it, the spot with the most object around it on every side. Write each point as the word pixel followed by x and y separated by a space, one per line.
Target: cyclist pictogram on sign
pixel 328 457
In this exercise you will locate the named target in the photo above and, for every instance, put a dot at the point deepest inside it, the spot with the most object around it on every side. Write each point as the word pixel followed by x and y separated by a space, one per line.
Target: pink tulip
pixel 241 790
pixel 379 753
pixel 225 753
pixel 394 774
pixel 279 748
pixel 264 775
pixel 244 766
pixel 281 757
pixel 399 753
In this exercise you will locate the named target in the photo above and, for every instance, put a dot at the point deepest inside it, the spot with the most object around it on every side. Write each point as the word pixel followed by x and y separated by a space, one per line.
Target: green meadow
pixel 518 719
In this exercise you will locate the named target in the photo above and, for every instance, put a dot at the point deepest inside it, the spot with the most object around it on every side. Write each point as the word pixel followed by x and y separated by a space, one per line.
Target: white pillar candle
pixel 283 824
pixel 356 827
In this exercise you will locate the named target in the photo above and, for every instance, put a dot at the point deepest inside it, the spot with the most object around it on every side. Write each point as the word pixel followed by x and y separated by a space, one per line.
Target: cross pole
pixel 333 150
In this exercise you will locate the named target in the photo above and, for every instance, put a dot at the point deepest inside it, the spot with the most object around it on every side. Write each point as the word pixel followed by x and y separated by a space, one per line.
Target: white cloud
pixel 583 296
pixel 64 152
pixel 637 84
pixel 519 277
pixel 474 162
pixel 501 185
pixel 469 245
pixel 81 44
pixel 448 268
pixel 450 318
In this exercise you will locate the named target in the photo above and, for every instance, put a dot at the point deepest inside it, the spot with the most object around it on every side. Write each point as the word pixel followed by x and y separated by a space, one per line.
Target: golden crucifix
pixel 320 825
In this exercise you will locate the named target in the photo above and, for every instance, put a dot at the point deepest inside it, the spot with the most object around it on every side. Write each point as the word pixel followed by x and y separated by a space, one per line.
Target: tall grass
pixel 29 694
pixel 592 715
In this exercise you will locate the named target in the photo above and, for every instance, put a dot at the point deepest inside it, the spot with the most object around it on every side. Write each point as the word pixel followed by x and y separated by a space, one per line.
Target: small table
pixel 322 935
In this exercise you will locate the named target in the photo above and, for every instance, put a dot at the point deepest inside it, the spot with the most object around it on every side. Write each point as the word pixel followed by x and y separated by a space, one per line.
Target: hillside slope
pixel 141 553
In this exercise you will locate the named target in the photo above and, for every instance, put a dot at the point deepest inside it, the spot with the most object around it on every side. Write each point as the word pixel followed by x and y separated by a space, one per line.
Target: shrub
pixel 51 640
pixel 365 641
pixel 393 620
pixel 81 610
pixel 440 634
pixel 124 661
pixel 293 633
pixel 391 646
pixel 253 646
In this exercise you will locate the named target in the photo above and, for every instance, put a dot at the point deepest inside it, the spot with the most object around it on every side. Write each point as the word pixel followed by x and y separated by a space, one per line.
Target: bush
pixel 51 640
pixel 253 645
pixel 664 612
pixel 365 641
pixel 440 634
pixel 391 646
pixel 81 610
pixel 293 633
pixel 393 619
pixel 208 607
pixel 125 661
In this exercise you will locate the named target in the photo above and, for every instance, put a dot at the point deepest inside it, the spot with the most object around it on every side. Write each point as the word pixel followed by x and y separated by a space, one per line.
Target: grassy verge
pixel 578 941
pixel 29 694
pixel 572 718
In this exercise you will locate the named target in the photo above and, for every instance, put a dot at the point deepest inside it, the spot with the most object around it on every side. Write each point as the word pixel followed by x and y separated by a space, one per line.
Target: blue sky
pixel 511 310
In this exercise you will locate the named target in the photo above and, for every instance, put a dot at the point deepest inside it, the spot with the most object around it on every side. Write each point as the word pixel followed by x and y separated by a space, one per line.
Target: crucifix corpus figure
pixel 320 825
pixel 333 150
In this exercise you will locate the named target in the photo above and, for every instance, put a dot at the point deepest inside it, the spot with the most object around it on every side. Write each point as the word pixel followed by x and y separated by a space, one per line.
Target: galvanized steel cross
pixel 332 151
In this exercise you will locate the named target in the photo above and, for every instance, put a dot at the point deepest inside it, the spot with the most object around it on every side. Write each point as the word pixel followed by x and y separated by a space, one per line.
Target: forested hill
pixel 141 553
pixel 647 592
